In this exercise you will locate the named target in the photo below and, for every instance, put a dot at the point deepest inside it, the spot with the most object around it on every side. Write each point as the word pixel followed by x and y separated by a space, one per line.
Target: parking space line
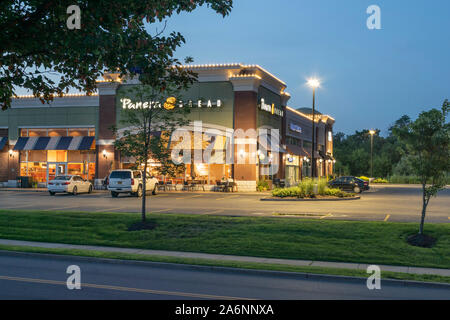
pixel 326 216
pixel 196 196
pixel 387 218
pixel 158 211
pixel 213 212
pixel 60 208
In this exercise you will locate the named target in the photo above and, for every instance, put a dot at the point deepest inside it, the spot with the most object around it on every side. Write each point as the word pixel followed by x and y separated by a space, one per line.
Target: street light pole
pixel 314 84
pixel 371 132
pixel 313 134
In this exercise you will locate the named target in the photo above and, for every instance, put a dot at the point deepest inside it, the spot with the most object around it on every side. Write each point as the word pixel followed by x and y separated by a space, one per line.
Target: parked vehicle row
pixel 119 181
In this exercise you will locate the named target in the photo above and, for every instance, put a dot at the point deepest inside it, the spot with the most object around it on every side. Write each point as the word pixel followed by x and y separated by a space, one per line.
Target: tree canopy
pixel 40 53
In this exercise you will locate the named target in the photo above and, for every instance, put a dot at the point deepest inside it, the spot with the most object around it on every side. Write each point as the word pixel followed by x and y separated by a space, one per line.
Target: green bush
pixel 307 187
pixel 262 185
pixel 322 185
pixel 335 192
pixel 287 192
pixel 380 180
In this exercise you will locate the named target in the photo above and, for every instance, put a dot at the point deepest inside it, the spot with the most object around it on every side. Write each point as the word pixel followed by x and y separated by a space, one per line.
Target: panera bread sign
pixel 271 108
pixel 170 103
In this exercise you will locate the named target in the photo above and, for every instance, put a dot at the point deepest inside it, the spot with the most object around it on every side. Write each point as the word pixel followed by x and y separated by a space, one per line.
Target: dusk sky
pixel 370 77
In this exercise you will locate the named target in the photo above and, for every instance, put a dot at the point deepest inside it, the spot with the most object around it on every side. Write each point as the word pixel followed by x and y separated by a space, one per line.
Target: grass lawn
pixel 345 241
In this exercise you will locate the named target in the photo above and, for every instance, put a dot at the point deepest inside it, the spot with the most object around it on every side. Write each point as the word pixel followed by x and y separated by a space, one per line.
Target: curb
pixel 337 199
pixel 284 274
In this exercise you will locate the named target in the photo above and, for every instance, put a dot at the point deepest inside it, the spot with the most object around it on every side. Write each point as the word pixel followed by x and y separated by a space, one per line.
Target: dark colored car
pixel 352 184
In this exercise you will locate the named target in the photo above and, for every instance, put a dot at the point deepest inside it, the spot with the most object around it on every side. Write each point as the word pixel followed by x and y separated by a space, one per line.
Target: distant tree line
pixel 390 155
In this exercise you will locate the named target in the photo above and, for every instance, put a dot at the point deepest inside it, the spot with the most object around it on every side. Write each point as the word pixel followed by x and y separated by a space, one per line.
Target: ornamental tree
pixel 428 143
pixel 146 125
pixel 40 53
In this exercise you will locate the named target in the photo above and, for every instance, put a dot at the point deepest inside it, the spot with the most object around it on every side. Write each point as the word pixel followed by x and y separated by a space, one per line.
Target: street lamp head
pixel 314 83
pixel 372 132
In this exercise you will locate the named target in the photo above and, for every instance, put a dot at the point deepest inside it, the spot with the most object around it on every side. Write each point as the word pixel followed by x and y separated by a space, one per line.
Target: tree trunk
pixel 424 210
pixel 144 191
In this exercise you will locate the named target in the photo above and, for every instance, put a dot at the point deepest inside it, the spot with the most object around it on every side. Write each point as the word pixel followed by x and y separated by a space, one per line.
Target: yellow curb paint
pixel 326 216
pixel 387 218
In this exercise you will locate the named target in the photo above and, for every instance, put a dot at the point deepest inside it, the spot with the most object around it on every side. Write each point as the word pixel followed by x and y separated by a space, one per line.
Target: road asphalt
pixel 397 203
pixel 41 277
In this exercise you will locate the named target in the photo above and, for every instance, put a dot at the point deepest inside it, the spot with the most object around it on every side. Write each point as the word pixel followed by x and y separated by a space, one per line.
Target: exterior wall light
pixel 10 153
pixel 105 155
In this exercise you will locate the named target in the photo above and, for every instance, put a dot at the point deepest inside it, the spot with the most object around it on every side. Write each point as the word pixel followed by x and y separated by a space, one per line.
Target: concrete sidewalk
pixel 302 263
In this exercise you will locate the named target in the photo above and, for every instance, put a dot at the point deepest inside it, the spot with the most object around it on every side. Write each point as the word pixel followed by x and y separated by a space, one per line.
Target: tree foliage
pixel 40 53
pixel 146 128
pixel 428 142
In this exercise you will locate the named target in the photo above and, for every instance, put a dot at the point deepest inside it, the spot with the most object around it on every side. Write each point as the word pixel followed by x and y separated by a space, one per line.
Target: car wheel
pixel 90 189
pixel 357 189
pixel 114 194
pixel 139 192
pixel 155 190
pixel 75 191
pixel 51 193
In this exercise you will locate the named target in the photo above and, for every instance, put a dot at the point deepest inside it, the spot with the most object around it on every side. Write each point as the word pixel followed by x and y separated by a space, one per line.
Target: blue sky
pixel 370 77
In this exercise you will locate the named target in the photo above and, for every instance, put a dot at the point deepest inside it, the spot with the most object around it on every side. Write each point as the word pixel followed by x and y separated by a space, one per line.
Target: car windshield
pixel 120 175
pixel 66 178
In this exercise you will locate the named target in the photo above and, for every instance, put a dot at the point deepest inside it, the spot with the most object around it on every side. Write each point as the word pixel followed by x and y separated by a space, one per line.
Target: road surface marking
pixel 197 196
pixel 387 218
pixel 213 212
pixel 326 216
pixel 117 288
pixel 164 210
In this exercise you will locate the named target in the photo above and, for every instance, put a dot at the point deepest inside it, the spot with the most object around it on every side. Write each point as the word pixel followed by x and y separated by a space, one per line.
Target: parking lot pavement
pixel 384 204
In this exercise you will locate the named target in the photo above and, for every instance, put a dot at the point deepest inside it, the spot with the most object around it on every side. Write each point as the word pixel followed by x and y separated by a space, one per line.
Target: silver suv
pixel 130 181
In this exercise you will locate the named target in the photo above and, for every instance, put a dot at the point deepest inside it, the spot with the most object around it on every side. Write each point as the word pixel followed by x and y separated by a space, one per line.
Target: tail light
pixel 50 183
pixel 365 183
pixel 132 182
pixel 66 183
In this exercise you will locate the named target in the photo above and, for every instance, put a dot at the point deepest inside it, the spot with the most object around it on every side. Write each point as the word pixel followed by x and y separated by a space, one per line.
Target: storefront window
pixel 79 132
pixel 57 156
pixel 57 132
pixel 37 132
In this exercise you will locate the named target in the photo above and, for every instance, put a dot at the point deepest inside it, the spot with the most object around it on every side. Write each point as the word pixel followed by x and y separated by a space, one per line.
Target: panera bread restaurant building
pixel 72 134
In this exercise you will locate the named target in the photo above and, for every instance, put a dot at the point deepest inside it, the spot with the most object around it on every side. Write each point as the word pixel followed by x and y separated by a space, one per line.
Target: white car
pixel 130 181
pixel 69 184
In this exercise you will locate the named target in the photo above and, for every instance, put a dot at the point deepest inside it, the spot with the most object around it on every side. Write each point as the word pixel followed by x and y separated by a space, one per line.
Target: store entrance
pixel 54 169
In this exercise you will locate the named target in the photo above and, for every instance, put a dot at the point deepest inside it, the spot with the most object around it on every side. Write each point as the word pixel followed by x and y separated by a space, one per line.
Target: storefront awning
pixel 297 151
pixel 54 143
pixel 3 141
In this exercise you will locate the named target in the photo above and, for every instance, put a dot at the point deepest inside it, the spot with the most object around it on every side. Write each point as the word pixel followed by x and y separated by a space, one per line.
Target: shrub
pixel 335 192
pixel 364 178
pixel 322 185
pixel 380 180
pixel 307 187
pixel 262 185
pixel 287 192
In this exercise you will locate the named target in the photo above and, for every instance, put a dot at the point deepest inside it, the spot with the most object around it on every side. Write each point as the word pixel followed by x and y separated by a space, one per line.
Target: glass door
pixel 54 169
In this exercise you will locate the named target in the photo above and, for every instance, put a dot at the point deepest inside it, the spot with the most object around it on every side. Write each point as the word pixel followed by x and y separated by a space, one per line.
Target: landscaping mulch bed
pixel 317 198
pixel 421 240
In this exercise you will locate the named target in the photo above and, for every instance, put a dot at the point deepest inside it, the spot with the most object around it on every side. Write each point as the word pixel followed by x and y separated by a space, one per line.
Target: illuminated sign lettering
pixel 170 104
pixel 271 108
